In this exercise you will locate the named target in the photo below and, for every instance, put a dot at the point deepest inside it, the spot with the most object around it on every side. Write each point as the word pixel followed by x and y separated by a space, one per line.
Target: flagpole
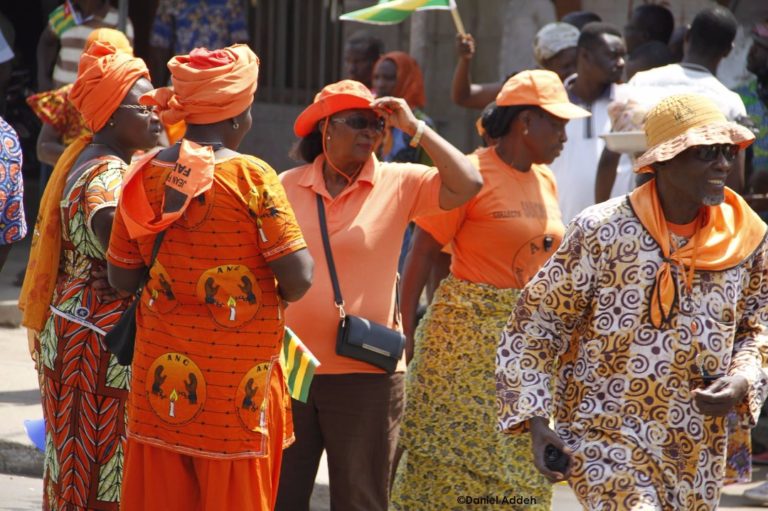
pixel 457 19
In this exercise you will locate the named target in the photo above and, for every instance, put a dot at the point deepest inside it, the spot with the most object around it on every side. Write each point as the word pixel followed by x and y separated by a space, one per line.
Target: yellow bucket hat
pixel 686 120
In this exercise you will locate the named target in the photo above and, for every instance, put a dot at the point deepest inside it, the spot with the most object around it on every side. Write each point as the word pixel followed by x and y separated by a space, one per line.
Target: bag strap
pixel 155 250
pixel 338 300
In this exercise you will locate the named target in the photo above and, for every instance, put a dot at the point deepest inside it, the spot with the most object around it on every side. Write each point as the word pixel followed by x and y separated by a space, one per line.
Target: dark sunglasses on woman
pixel 361 122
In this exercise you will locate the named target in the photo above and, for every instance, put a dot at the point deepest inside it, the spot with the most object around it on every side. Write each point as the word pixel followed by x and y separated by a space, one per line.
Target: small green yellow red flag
pixel 299 365
pixel 63 18
pixel 389 12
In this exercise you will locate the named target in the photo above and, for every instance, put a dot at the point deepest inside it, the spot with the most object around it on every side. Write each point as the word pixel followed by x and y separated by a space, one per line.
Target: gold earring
pixel 235 125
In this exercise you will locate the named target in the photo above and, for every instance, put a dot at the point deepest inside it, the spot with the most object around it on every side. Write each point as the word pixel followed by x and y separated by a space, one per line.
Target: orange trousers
pixel 158 479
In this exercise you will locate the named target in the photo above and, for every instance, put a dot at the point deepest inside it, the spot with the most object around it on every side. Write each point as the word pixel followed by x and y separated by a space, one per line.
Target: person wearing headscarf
pixel 397 74
pixel 62 122
pixel 354 407
pixel 209 414
pixel 647 327
pixel 498 240
pixel 83 389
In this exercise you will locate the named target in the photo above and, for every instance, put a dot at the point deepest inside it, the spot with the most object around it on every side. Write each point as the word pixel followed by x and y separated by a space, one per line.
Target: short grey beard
pixel 713 200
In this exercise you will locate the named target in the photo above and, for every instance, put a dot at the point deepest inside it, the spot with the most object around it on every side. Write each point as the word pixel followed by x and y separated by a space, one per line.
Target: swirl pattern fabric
pixel 623 387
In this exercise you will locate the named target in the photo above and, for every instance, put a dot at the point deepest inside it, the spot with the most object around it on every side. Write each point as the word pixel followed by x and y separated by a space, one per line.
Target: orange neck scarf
pixel 192 176
pixel 43 266
pixel 725 236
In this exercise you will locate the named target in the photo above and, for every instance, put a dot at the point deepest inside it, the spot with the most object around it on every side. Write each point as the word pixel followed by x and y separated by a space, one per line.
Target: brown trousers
pixel 356 419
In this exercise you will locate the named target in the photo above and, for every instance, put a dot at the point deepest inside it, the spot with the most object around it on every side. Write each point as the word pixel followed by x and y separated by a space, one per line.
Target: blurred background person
pixel 649 22
pixel 361 52
pixel 182 25
pixel 581 18
pixel 13 225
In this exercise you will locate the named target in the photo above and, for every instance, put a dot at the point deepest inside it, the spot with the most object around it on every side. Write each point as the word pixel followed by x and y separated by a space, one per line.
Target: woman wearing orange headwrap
pixel 209 418
pixel 83 389
pixel 398 74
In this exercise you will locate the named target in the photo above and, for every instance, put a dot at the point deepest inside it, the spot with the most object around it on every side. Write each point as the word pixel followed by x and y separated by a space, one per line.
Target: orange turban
pixel 104 77
pixel 109 36
pixel 410 82
pixel 208 86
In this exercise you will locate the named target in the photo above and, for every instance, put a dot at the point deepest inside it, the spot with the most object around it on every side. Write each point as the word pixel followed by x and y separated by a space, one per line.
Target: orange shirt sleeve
pixel 443 226
pixel 423 184
pixel 123 251
pixel 279 231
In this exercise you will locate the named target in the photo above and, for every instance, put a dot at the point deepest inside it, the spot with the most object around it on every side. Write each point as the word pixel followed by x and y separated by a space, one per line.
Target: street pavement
pixel 20 400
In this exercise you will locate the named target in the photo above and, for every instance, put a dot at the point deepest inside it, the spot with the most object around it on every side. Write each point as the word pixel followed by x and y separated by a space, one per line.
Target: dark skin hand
pixel 721 396
pixel 541 436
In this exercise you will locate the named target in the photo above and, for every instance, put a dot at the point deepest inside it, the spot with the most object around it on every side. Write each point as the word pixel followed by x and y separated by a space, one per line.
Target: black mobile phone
pixel 555 459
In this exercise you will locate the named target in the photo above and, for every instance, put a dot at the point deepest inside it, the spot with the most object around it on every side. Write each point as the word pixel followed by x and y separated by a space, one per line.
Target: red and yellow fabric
pixel 506 232
pixel 83 390
pixel 54 108
pixel 209 325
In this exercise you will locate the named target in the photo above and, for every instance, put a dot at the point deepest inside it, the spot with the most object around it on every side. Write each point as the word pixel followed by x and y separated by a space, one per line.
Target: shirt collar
pixel 313 176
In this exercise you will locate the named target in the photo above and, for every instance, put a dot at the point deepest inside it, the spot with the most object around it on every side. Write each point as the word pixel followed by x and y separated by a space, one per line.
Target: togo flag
pixel 389 12
pixel 299 365
pixel 63 18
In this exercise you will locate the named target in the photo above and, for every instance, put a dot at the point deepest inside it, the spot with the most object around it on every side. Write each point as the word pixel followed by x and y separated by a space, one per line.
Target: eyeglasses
pixel 143 109
pixel 361 122
pixel 713 152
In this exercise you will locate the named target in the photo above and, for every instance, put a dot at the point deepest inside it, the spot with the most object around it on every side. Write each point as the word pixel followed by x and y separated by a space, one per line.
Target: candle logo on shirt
pixel 251 397
pixel 160 297
pixel 175 388
pixel 231 293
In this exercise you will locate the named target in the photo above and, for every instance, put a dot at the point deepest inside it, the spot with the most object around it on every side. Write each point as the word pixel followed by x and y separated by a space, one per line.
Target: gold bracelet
pixel 420 127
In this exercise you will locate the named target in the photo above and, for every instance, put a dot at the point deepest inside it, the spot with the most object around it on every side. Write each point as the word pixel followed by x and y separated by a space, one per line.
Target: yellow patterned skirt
pixel 453 449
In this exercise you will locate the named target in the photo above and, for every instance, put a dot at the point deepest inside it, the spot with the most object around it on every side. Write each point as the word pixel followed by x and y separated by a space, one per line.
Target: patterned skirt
pixel 453 448
pixel 84 393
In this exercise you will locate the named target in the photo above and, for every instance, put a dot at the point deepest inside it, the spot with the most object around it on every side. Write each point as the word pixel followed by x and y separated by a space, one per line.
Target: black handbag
pixel 358 337
pixel 121 339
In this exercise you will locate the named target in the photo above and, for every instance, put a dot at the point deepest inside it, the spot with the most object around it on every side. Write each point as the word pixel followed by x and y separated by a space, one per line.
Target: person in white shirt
pixel 599 65
pixel 707 42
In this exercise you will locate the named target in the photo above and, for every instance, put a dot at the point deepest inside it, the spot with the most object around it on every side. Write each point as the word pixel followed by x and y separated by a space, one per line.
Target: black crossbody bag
pixel 358 337
pixel 121 339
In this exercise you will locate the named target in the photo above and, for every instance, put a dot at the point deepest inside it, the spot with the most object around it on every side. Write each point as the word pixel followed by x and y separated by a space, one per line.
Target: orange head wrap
pixel 208 86
pixel 104 77
pixel 410 83
pixel 109 36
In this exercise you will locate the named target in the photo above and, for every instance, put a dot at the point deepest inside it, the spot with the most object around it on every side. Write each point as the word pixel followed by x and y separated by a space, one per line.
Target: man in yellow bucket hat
pixel 650 320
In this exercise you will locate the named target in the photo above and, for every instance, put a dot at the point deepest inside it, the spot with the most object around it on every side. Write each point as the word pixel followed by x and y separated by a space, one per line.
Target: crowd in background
pixel 562 299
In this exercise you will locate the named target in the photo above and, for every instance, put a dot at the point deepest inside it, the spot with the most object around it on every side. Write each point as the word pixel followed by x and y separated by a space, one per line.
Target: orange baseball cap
pixel 336 97
pixel 540 88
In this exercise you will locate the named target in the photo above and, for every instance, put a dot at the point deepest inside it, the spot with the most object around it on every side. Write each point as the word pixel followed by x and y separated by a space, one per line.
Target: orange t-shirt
pixel 366 224
pixel 506 232
pixel 206 374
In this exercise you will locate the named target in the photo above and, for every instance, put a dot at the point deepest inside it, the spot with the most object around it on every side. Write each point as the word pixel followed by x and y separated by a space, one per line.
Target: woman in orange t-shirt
pixel 208 408
pixel 499 239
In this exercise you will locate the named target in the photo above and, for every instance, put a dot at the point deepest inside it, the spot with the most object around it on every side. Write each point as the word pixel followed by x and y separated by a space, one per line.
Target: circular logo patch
pixel 176 388
pixel 231 293
pixel 250 399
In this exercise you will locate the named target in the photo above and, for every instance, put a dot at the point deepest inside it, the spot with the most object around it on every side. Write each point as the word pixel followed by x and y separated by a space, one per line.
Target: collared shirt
pixel 366 222
pixel 506 232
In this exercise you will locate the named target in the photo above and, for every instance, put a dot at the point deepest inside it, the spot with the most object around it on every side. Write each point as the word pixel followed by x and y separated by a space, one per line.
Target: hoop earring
pixel 235 125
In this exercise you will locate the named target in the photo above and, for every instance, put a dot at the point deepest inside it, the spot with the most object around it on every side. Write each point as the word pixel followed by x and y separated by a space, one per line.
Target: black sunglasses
pixel 713 152
pixel 361 122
